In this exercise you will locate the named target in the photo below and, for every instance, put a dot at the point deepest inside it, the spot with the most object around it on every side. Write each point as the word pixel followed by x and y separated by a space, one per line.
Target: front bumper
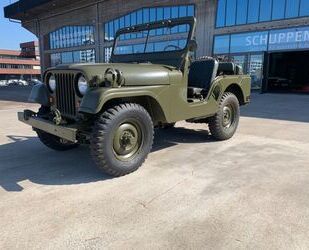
pixel 63 132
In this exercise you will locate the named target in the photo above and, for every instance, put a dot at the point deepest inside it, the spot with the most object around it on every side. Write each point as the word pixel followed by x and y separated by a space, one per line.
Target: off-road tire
pixel 55 142
pixel 108 129
pixel 216 123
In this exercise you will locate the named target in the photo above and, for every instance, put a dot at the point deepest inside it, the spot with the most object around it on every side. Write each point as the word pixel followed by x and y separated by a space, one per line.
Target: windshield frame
pixel 147 39
pixel 155 56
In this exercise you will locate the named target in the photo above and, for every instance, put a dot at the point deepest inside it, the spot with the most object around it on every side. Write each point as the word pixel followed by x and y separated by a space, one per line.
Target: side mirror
pixel 192 46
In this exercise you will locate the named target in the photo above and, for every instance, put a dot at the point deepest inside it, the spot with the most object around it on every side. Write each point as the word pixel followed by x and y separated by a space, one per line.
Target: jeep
pixel 150 82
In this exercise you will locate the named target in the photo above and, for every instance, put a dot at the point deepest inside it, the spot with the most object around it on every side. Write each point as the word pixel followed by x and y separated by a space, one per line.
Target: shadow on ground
pixel 289 107
pixel 27 159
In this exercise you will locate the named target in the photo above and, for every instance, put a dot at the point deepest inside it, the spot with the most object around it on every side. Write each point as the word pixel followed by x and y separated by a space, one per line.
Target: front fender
pixel 95 99
pixel 39 94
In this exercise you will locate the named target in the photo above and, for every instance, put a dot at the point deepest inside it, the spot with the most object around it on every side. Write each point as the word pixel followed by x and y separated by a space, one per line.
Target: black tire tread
pixel 214 124
pixel 100 130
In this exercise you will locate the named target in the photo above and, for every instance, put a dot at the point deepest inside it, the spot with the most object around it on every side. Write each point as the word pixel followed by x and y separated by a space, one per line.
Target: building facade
pixel 21 64
pixel 268 38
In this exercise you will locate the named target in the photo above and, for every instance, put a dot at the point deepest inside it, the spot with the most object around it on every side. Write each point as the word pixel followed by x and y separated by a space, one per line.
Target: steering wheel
pixel 172 46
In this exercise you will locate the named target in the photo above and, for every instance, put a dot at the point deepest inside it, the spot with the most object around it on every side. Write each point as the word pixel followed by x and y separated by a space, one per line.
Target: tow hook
pixel 57 119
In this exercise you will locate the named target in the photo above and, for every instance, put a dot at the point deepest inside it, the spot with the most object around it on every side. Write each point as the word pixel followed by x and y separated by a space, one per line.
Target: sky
pixel 12 34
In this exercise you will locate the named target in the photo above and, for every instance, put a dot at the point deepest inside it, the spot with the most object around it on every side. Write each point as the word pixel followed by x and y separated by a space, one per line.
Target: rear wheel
pixel 225 123
pixel 122 138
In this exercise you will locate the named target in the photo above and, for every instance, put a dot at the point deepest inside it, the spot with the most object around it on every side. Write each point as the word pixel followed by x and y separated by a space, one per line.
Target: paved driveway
pixel 251 192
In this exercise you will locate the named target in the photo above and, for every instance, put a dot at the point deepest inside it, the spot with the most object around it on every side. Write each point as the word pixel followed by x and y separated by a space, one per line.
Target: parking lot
pixel 251 192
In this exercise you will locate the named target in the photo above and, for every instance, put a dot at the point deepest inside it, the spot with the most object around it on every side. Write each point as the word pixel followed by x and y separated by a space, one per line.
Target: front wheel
pixel 224 124
pixel 122 138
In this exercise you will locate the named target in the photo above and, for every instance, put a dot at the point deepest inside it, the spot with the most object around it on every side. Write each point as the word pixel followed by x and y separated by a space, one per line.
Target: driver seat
pixel 201 75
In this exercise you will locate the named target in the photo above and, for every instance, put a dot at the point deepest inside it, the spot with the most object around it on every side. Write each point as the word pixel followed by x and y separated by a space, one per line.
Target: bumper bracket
pixel 63 132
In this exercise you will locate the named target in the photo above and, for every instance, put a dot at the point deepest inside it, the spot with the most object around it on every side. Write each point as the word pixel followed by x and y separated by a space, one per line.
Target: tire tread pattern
pixel 101 129
pixel 215 122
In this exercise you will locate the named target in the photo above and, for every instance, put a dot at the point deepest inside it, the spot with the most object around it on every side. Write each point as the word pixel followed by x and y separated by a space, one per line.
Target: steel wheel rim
pixel 127 140
pixel 228 116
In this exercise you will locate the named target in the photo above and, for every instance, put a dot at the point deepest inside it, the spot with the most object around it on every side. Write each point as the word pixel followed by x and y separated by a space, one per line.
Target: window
pixel 107 53
pixel 304 8
pixel 190 10
pixel 242 6
pixel 146 15
pixel 142 16
pixel 55 59
pixel 265 10
pixel 239 12
pixel 278 9
pixel 255 69
pixel 292 8
pixel 231 14
pixel 182 11
pixel 222 44
pixel 153 43
pixel 221 13
pixel 71 36
pixel 253 11
pixel 80 56
pixel 175 12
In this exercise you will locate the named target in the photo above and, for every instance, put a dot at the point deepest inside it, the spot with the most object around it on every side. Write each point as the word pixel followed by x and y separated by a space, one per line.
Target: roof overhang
pixel 16 10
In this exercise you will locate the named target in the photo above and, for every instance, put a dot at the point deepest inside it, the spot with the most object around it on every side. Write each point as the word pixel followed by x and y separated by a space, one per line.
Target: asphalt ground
pixel 251 192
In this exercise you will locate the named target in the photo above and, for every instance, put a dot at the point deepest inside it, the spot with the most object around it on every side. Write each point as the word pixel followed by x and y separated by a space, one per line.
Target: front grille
pixel 65 94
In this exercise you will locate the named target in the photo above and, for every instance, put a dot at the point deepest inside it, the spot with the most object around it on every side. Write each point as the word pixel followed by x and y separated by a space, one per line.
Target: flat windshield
pixel 165 39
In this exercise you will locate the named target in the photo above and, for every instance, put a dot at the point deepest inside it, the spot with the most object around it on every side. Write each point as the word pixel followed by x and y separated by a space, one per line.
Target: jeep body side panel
pixel 181 109
pixel 171 98
pixel 242 81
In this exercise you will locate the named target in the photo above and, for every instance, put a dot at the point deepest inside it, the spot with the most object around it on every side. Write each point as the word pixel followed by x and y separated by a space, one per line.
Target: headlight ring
pixel 52 84
pixel 82 85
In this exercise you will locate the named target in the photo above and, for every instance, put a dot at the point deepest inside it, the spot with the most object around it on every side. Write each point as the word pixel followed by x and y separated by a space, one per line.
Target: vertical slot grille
pixel 65 95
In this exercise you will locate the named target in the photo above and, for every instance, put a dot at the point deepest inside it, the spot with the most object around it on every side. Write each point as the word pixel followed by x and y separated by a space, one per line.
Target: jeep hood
pixel 134 74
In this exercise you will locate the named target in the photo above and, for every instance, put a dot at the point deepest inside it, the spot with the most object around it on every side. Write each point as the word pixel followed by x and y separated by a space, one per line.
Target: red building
pixel 22 64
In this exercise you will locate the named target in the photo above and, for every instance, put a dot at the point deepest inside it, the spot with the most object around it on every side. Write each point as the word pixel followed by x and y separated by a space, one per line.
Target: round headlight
pixel 82 85
pixel 52 83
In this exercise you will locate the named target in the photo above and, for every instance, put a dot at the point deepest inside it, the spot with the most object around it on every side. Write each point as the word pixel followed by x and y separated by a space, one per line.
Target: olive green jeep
pixel 151 82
